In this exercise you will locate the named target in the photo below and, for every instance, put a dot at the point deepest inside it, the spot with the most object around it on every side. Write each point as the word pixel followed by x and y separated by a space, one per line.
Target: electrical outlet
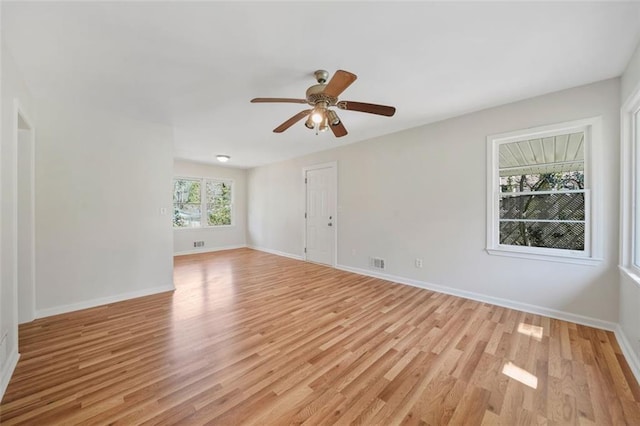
pixel 418 262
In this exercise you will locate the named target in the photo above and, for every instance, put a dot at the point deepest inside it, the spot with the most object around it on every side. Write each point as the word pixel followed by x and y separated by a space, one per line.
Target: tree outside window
pixel 218 203
pixel 186 203
pixel 191 197
pixel 543 210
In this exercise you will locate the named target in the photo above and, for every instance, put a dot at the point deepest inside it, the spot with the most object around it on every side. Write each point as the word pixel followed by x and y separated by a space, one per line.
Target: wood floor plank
pixel 252 338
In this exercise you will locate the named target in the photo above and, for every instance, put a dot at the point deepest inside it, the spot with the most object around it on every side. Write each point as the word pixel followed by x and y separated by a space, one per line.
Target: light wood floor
pixel 252 338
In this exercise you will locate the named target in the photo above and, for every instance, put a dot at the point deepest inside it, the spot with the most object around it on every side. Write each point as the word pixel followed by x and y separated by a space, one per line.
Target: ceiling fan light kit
pixel 333 118
pixel 321 97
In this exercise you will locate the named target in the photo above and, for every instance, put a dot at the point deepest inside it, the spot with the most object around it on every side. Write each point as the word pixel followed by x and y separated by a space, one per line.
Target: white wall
pixel 216 238
pixel 101 181
pixel 26 223
pixel 13 89
pixel 276 205
pixel 629 318
pixel 421 193
pixel 630 79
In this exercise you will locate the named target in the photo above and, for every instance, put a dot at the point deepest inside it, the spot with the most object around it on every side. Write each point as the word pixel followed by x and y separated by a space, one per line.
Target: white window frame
pixel 629 186
pixel 204 224
pixel 592 254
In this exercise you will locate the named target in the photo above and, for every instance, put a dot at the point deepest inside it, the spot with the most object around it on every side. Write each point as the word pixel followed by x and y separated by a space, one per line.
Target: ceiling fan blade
pixel 339 82
pixel 385 110
pixel 339 130
pixel 287 100
pixel 293 120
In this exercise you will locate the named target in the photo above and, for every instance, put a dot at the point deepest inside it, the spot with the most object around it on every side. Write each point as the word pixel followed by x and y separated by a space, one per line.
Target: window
pixel 218 203
pixel 636 220
pixel 193 196
pixel 186 203
pixel 635 141
pixel 630 193
pixel 540 185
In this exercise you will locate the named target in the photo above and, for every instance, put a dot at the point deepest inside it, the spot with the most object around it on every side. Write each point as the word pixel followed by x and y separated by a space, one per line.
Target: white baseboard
pixel 208 249
pixel 102 301
pixel 628 352
pixel 525 307
pixel 277 253
pixel 7 371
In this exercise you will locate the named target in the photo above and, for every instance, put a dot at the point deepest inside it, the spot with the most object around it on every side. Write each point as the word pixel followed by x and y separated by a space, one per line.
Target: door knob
pixel 330 224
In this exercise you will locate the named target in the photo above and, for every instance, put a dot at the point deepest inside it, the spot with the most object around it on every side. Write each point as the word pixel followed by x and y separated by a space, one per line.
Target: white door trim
pixel 333 165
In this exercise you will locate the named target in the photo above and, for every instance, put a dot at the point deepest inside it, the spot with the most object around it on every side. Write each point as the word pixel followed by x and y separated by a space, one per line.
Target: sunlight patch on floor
pixel 531 330
pixel 523 376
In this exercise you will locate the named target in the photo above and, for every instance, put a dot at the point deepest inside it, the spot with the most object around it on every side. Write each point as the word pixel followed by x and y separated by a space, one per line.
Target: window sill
pixel 631 274
pixel 204 228
pixel 546 257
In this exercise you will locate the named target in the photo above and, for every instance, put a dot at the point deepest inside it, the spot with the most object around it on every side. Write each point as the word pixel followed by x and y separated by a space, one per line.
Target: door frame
pixel 333 165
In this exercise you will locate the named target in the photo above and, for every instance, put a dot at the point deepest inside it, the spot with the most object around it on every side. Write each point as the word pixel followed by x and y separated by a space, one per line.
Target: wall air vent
pixel 377 263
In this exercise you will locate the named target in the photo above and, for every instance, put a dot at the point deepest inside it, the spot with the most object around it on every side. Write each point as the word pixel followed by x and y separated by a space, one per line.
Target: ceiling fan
pixel 321 97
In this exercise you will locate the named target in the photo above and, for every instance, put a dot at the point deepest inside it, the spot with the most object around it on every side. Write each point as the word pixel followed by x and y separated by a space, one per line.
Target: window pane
pixel 559 235
pixel 218 203
pixel 186 191
pixel 559 181
pixel 216 190
pixel 561 206
pixel 218 214
pixel 186 203
pixel 186 215
pixel 535 177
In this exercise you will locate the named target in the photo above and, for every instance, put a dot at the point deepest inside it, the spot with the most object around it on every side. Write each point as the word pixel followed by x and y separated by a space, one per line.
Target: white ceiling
pixel 195 66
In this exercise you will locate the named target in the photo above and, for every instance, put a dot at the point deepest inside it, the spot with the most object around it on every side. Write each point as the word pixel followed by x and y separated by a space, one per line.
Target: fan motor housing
pixel 316 94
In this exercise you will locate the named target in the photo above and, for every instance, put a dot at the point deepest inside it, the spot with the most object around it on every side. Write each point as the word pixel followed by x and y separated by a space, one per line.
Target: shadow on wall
pixel 595 297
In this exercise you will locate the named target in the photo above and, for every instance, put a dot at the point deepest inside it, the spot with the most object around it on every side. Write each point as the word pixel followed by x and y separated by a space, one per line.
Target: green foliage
pixel 218 203
pixel 187 202
pixel 194 193
pixel 178 221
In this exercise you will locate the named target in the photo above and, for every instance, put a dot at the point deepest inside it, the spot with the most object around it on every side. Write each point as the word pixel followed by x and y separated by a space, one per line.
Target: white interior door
pixel 320 223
